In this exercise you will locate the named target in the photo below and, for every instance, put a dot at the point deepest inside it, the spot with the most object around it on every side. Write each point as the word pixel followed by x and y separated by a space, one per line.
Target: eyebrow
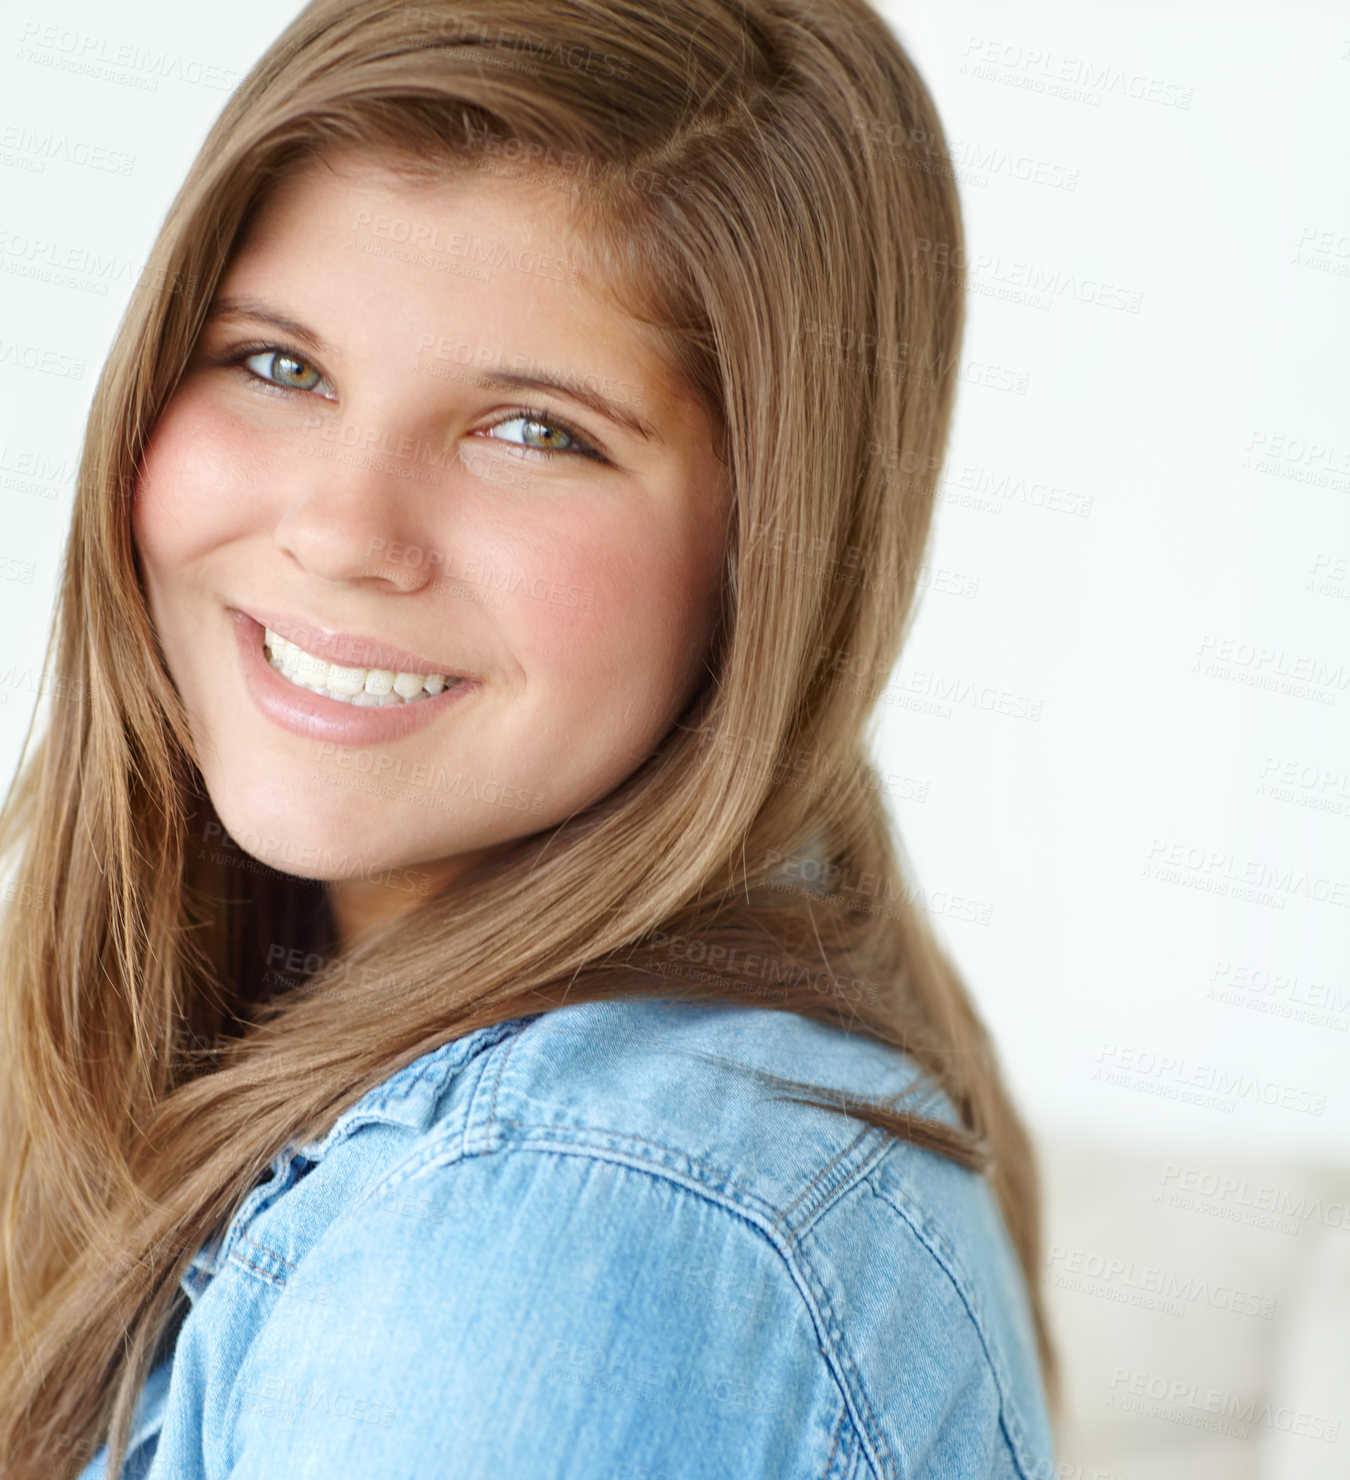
pixel 264 313
pixel 572 386
pixel 567 385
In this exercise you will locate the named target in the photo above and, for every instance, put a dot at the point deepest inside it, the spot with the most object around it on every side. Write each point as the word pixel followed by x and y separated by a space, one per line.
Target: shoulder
pixel 617 1245
pixel 897 1251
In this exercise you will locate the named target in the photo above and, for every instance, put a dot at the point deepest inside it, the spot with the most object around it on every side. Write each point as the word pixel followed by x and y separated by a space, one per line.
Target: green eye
pixel 284 369
pixel 542 436
pixel 544 433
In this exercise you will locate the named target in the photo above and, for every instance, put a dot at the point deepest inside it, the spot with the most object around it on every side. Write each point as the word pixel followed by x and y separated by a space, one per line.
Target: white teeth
pixel 364 687
pixel 346 680
pixel 312 670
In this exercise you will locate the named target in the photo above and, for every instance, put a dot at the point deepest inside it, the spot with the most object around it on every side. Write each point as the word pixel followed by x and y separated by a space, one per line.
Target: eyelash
pixel 540 414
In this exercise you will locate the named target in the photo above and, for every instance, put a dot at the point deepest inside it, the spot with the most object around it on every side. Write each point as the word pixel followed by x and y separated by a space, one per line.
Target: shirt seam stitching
pixel 834 1447
pixel 838 1359
pixel 1010 1415
pixel 828 1199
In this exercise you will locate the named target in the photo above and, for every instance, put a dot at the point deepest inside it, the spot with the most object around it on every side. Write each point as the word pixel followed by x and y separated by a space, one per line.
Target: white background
pixel 1165 485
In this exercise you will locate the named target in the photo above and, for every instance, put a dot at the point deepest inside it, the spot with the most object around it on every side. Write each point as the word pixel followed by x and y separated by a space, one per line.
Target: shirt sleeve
pixel 538 1314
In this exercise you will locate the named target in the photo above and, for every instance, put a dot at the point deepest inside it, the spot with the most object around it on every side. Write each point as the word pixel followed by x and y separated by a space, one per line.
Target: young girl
pixel 464 1014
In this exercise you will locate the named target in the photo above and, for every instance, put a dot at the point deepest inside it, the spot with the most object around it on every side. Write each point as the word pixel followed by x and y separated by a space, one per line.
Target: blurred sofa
pixel 1201 1305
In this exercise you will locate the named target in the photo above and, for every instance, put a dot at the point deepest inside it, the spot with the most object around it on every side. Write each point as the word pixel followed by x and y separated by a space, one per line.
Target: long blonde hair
pixel 756 179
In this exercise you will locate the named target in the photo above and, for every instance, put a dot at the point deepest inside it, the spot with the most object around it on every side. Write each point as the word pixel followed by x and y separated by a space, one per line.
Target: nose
pixel 356 511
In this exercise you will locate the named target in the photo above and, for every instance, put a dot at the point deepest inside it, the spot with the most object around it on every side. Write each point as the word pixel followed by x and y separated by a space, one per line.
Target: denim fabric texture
pixel 570 1246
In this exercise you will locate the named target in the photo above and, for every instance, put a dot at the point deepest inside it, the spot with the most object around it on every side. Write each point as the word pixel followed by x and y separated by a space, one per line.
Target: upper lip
pixel 349 649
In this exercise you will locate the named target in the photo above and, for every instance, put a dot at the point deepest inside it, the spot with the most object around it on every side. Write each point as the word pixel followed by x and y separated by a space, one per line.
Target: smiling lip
pixel 346 648
pixel 330 721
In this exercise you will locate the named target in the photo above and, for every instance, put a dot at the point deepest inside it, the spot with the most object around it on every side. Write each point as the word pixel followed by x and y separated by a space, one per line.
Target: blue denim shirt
pixel 568 1246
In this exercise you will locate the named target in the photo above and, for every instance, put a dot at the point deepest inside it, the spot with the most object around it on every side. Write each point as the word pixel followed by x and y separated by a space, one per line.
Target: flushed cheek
pixel 200 483
pixel 630 652
pixel 594 609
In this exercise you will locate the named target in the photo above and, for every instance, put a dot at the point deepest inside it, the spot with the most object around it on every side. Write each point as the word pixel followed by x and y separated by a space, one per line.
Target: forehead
pixel 342 187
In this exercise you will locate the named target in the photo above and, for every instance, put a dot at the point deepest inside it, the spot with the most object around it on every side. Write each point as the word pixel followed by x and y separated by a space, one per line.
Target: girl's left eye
pixel 284 369
pixel 544 433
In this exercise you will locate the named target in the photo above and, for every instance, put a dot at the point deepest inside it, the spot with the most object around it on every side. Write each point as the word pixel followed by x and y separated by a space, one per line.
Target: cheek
pixel 192 492
pixel 623 601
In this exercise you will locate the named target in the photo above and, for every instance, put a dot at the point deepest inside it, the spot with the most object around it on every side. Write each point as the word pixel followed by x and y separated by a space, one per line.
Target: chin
pixel 303 828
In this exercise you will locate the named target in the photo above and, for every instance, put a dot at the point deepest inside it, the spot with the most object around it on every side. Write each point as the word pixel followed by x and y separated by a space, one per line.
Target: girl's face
pixel 417 442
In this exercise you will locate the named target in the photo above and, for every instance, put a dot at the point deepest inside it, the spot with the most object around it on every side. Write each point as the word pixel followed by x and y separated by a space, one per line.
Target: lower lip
pixel 318 718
